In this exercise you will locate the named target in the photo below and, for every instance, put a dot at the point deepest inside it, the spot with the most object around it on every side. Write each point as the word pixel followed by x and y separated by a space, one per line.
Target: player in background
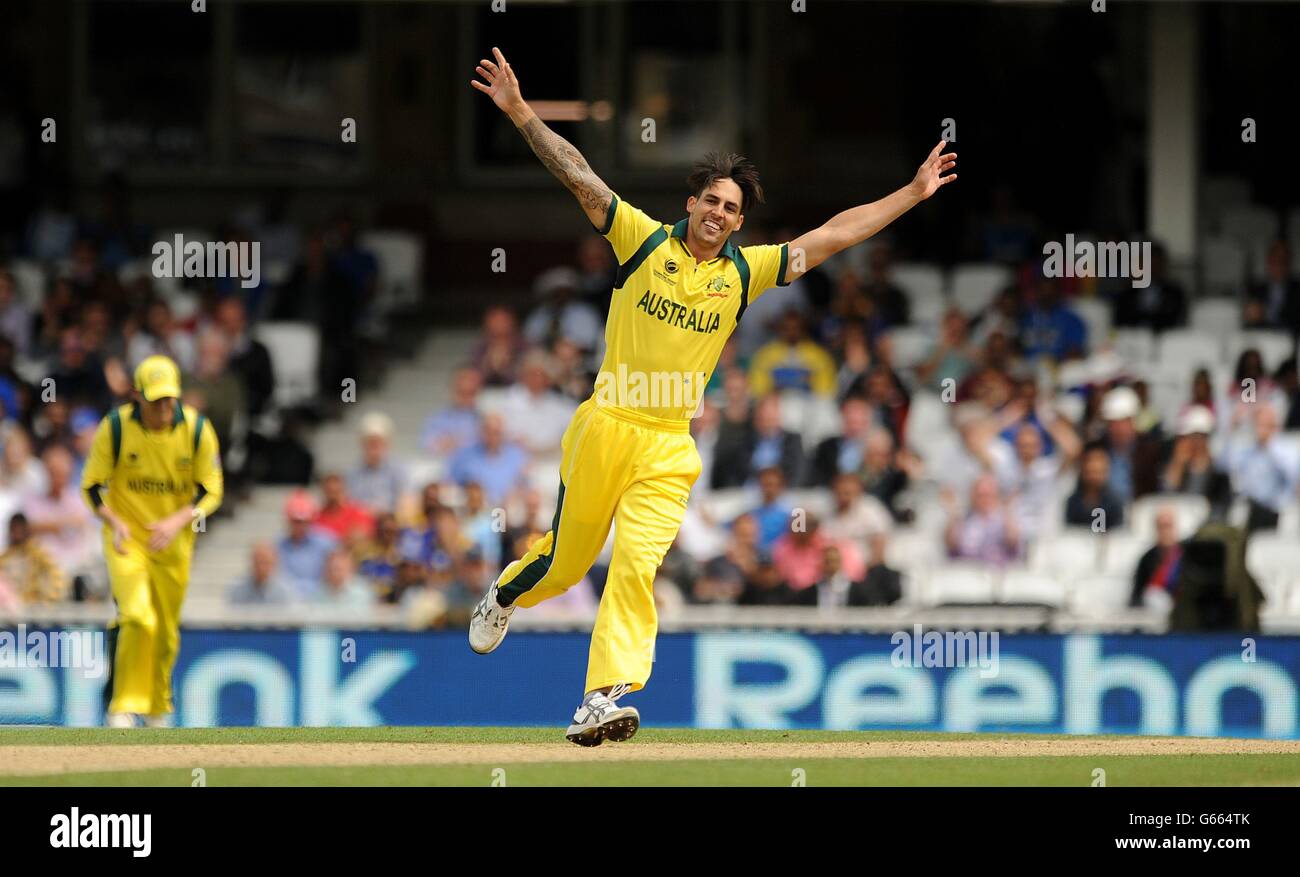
pixel 628 457
pixel 154 470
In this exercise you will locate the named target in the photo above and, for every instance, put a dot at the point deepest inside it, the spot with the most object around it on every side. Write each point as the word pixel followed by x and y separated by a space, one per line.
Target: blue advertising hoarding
pixel 1077 683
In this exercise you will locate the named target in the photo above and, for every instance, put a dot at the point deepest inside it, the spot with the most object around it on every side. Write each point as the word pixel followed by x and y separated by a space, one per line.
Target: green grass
pixel 776 771
pixel 1127 770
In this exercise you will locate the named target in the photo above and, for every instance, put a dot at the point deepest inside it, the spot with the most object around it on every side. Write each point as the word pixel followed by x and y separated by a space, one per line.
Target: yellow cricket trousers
pixel 149 588
pixel 632 470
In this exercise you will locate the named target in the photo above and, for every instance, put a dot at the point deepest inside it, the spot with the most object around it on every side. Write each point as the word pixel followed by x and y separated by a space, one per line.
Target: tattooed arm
pixel 559 155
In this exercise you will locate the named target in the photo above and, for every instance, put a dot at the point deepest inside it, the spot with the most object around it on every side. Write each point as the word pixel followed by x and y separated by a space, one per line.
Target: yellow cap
pixel 158 378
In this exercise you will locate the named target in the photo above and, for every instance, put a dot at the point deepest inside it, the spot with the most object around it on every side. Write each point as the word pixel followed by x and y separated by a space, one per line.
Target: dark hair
pixel 727 165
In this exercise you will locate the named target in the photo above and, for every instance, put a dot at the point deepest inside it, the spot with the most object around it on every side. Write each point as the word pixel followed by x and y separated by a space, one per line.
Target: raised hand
pixel 502 86
pixel 929 176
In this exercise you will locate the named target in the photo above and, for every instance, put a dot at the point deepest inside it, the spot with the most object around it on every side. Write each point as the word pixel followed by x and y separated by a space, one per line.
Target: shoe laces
pixel 619 690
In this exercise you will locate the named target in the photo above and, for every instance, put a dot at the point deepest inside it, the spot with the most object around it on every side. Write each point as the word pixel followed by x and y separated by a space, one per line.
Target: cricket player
pixel 154 470
pixel 627 456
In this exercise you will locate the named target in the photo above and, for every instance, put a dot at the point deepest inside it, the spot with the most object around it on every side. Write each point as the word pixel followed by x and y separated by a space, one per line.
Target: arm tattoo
pixel 567 165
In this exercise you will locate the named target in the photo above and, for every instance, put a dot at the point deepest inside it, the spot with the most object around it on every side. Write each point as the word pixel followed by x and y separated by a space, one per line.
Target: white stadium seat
pixel 959 583
pixel 1135 345
pixel 1274 346
pixel 1120 553
pixel 295 353
pixel 1223 265
pixel 1216 315
pixel 1072 552
pixel 1100 595
pixel 1190 510
pixel 1096 316
pixel 401 264
pixel 976 285
pixel 1026 586
pixel 919 280
pixel 30 276
pixel 1190 348
pixel 912 344
pixel 913 550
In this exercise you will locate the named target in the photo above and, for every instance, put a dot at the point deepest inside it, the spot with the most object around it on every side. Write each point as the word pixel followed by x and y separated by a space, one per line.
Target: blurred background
pixel 944 419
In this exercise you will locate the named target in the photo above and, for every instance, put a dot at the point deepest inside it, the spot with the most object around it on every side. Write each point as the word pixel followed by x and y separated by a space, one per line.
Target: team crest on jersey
pixel 717 284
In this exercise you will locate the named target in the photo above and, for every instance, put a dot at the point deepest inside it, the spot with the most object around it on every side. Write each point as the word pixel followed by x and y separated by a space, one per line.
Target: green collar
pixel 177 418
pixel 728 249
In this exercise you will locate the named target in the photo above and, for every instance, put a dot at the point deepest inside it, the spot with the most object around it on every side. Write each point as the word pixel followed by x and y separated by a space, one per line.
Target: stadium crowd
pixel 851 427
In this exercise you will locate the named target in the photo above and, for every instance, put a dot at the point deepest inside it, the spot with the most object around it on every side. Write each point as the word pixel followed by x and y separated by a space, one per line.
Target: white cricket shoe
pixel 488 624
pixel 120 720
pixel 600 719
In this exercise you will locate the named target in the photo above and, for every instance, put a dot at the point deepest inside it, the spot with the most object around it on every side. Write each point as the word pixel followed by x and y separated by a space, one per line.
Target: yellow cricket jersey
pixel 144 476
pixel 669 317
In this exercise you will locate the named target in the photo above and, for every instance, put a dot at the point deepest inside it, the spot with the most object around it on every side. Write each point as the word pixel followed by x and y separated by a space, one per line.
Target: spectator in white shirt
pixel 536 415
pixel 562 314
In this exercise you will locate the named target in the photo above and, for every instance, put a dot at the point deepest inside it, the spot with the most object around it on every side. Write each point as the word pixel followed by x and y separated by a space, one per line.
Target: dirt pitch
pixel 33 760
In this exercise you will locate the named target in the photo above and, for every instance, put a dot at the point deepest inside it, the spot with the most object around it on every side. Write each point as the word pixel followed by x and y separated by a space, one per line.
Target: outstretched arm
pixel 559 155
pixel 859 223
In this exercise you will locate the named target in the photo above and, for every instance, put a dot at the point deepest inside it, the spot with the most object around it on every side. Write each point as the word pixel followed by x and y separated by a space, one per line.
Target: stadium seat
pixel 295 352
pixel 1190 510
pixel 1223 265
pixel 919 280
pixel 975 285
pixel 1096 316
pixel 1248 223
pixel 1072 552
pixel 401 265
pixel 958 583
pixel 912 344
pixel 1019 585
pixel 1135 345
pixel 928 427
pixel 1274 561
pixel 1190 347
pixel 1100 595
pixel 1120 553
pixel 1274 346
pixel 724 506
pixel 1216 315
pixel 31 278
pixel 913 550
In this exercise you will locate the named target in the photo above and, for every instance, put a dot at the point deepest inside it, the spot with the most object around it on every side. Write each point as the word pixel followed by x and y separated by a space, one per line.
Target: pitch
pixel 656 757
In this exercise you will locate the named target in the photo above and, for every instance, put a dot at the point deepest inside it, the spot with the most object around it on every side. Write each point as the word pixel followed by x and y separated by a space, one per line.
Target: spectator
pixel 380 557
pixel 249 357
pixel 596 274
pixel 723 578
pixel 15 320
pixel 1134 458
pixel 378 482
pixel 1159 306
pixel 537 414
pixel 952 357
pixel 20 472
pixel 1191 468
pixel 216 390
pixel 482 524
pixel 773 512
pixel 855 517
pixel 1251 385
pixel 1049 328
pixel 855 361
pixel 340 586
pixel 882 475
pixel 561 314
pixel 498 352
pixel 765 587
pixel 734 432
pixel 161 336
pixel 1029 477
pixel 792 362
pixel 1274 303
pixel 882 585
pixel 451 428
pixel 768 445
pixel 28 569
pixel 1094 492
pixel 304 550
pixel 798 555
pixel 58 518
pixel 879 585
pixel 988 532
pixel 78 376
pixel 263 586
pixel 888 302
pixel 492 461
pixel 348 521
pixel 1266 470
pixel 1157 572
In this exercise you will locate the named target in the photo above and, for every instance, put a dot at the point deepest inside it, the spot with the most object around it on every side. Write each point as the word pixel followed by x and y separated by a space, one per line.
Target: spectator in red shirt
pixel 798 555
pixel 349 521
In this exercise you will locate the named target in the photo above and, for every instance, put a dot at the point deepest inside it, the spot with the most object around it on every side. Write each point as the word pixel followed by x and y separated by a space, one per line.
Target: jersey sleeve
pixel 767 263
pixel 208 479
pixel 99 465
pixel 626 228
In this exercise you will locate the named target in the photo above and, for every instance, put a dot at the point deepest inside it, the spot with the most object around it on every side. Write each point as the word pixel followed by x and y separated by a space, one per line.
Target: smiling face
pixel 716 212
